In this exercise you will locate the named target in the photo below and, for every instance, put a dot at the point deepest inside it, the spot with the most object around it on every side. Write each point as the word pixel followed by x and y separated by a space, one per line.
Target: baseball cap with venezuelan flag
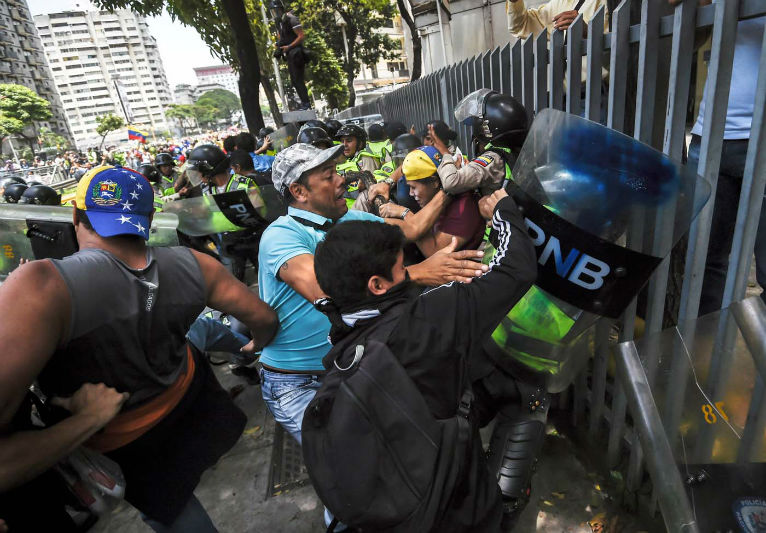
pixel 118 201
pixel 421 163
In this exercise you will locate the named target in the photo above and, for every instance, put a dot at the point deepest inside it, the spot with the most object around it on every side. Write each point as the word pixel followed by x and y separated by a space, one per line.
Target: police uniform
pixel 486 172
pixel 380 150
pixel 363 160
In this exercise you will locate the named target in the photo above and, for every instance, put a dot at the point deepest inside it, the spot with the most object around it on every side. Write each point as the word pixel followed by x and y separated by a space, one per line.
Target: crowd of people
pixel 392 277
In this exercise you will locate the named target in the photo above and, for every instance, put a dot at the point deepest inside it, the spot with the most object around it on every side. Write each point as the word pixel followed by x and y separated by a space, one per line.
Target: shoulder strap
pixel 579 5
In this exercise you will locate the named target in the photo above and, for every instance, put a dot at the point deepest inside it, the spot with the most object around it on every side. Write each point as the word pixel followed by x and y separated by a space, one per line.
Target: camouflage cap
pixel 294 160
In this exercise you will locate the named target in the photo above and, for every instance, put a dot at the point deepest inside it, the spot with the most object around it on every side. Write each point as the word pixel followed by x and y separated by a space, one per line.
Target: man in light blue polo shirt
pixel 292 363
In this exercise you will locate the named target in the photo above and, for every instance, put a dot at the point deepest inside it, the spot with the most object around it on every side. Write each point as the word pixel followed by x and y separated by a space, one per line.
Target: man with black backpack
pixel 389 440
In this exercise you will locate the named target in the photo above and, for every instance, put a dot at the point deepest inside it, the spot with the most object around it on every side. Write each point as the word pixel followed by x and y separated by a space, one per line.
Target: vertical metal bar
pixel 647 71
pixel 574 66
pixel 472 74
pixel 528 74
pixel 580 390
pixel 676 511
pixel 496 80
pixel 714 122
pixel 486 65
pixel 556 70
pixel 595 47
pixel 600 361
pixel 479 70
pixel 753 182
pixel 541 72
pixel 618 66
pixel 445 96
pixel 505 69
pixel 516 71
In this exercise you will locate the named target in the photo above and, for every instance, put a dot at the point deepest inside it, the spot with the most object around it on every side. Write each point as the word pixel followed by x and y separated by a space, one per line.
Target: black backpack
pixel 376 456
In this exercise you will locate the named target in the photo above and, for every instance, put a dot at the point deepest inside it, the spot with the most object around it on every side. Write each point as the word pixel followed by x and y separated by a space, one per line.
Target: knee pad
pixel 512 453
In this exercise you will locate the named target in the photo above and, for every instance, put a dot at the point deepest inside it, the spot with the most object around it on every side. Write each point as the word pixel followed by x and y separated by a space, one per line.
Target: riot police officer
pixel 40 195
pixel 166 166
pixel 13 192
pixel 151 173
pixel 499 125
pixel 332 127
pixel 358 158
pixel 379 145
pixel 290 47
pixel 315 137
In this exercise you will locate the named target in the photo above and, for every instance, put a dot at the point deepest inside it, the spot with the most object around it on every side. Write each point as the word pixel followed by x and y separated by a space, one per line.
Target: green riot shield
pixel 36 232
pixel 706 378
pixel 589 196
pixel 284 137
pixel 227 212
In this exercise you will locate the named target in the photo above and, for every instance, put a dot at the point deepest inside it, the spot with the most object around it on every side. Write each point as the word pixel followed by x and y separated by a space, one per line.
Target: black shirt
pixel 287 29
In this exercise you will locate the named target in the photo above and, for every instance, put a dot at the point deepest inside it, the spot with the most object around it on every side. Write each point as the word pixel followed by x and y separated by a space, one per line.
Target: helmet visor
pixel 471 106
pixel 194 175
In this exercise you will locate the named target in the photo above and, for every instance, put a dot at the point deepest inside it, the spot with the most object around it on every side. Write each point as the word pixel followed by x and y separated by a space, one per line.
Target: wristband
pixel 404 213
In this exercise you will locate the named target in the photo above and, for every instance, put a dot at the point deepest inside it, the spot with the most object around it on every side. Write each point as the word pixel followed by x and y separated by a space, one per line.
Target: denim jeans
pixel 733 155
pixel 287 397
pixel 193 519
pixel 210 335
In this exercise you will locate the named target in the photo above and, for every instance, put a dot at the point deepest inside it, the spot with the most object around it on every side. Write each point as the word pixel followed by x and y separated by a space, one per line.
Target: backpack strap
pixel 381 332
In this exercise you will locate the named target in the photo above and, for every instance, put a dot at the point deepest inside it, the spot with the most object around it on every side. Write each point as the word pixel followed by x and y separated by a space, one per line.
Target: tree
pixel 224 102
pixel 20 107
pixel 360 18
pixel 183 113
pixel 224 26
pixel 416 44
pixel 325 73
pixel 51 139
pixel 107 124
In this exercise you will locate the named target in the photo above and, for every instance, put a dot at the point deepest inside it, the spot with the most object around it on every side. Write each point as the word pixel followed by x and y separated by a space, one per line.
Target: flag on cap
pixel 118 201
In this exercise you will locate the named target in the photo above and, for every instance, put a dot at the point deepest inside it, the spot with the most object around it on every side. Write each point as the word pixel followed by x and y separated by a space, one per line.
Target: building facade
pixel 22 62
pixel 105 62
pixel 222 75
pixel 183 94
pixel 387 74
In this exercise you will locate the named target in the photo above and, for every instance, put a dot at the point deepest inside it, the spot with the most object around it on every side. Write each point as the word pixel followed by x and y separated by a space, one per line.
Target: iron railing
pixel 650 72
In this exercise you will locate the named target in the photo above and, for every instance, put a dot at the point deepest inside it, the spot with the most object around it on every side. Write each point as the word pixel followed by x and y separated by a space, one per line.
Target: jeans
pixel 287 396
pixel 210 335
pixel 727 193
pixel 193 519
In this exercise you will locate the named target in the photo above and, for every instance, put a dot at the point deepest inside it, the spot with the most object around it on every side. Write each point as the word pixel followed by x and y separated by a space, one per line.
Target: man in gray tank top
pixel 103 332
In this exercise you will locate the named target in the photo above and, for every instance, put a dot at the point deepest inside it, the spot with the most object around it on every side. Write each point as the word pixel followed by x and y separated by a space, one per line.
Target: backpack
pixel 377 457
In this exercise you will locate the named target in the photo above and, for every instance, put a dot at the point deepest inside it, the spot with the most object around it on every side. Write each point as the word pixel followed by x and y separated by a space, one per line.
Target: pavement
pixel 566 493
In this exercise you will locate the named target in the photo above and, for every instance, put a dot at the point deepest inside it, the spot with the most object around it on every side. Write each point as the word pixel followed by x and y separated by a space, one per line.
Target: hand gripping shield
pixel 602 210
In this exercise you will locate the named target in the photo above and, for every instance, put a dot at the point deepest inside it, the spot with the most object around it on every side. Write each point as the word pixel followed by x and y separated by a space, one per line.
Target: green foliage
pixel 19 108
pixel 108 123
pixel 222 101
pixel 325 72
pixel 52 139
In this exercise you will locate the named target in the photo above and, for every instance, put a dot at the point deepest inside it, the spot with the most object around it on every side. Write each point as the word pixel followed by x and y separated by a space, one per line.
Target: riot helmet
pixel 314 136
pixel 5 182
pixel 314 123
pixel 394 129
pixel 493 117
pixel 40 195
pixel 332 127
pixel 402 146
pixel 13 192
pixel 352 130
pixel 150 172
pixel 33 183
pixel 376 133
pixel 263 132
pixel 164 159
pixel 206 161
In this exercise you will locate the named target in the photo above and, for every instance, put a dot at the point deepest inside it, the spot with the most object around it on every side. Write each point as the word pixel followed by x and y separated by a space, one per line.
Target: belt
pixel 294 372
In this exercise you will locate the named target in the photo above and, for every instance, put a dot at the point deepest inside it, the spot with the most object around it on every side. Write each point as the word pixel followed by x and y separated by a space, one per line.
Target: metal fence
pixel 640 99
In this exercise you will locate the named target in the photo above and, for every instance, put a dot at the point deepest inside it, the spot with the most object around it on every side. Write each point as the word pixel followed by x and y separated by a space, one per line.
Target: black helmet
pixel 394 129
pixel 13 192
pixel 402 146
pixel 314 136
pixel 33 183
pixel 314 123
pixel 206 160
pixel 376 133
pixel 263 132
pixel 352 130
pixel 164 159
pixel 40 195
pixel 332 127
pixel 5 182
pixel 150 172
pixel 494 117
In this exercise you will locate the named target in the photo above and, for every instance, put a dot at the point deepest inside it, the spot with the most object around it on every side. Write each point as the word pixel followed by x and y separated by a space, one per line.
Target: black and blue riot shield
pixel 602 210
pixel 231 211
pixel 39 232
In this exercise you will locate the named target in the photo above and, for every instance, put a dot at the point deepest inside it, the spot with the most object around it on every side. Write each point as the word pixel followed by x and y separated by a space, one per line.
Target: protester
pixel 433 339
pixel 116 314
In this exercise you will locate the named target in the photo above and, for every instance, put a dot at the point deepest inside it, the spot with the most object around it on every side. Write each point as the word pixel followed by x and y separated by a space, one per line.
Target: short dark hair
pixel 353 252
pixel 246 141
pixel 242 158
pixel 229 143
pixel 84 220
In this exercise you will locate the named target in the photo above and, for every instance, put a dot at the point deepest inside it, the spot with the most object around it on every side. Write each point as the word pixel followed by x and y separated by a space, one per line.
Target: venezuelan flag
pixel 138 135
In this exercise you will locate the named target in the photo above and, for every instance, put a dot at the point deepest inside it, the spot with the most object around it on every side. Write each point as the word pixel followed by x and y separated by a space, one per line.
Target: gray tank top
pixel 128 327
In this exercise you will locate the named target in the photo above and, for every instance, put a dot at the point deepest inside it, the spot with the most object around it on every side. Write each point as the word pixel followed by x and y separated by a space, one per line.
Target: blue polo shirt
pixel 301 342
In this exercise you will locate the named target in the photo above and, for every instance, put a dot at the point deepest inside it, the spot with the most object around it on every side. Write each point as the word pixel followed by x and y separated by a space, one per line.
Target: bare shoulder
pixel 38 275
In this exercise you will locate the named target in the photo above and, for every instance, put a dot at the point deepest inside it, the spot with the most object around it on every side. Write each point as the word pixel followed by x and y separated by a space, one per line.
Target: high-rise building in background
pixel 105 62
pixel 222 75
pixel 22 62
pixel 183 93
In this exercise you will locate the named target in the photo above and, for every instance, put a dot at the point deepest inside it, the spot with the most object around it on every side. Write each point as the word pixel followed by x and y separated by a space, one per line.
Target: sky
pixel 180 46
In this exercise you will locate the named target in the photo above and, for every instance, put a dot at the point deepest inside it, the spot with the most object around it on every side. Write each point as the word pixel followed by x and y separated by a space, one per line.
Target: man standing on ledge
pixel 290 47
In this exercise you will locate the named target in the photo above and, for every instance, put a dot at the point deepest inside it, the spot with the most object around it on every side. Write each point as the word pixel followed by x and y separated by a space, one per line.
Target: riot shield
pixel 602 210
pixel 707 383
pixel 284 137
pixel 37 232
pixel 227 212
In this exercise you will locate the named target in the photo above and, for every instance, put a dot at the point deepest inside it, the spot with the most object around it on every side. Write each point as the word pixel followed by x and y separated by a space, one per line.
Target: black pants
pixel 296 65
